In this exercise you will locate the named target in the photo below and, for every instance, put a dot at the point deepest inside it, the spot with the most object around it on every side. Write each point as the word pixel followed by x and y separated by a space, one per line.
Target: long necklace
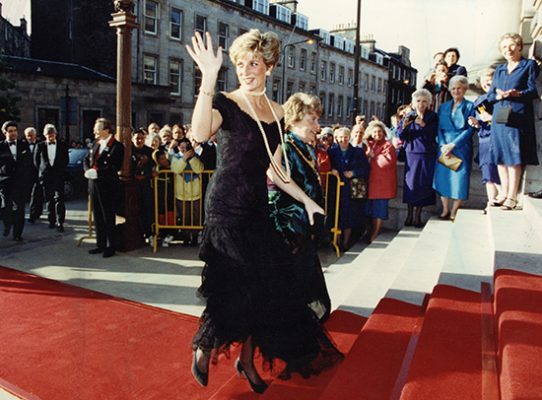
pixel 311 162
pixel 285 177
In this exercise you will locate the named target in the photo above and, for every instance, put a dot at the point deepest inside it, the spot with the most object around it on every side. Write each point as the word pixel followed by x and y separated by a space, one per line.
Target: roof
pixel 53 68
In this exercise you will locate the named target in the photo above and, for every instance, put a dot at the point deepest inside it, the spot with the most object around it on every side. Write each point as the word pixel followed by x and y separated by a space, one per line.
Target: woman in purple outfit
pixel 418 131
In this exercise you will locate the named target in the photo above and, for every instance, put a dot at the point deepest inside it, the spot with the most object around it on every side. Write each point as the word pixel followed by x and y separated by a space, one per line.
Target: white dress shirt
pixel 51 152
pixel 13 149
pixel 103 144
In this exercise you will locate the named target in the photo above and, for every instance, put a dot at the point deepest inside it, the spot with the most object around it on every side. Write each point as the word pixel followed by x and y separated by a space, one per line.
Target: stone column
pixel 493 18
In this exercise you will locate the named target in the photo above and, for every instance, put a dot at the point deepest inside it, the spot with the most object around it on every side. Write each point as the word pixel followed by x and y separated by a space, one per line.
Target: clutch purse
pixel 502 115
pixel 358 188
pixel 452 161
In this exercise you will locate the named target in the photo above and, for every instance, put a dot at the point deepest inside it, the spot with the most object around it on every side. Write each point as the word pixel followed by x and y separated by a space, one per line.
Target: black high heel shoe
pixel 256 387
pixel 201 377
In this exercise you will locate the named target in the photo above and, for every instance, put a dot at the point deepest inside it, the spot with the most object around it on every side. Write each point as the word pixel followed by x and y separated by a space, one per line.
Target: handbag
pixel 452 161
pixel 358 188
pixel 502 116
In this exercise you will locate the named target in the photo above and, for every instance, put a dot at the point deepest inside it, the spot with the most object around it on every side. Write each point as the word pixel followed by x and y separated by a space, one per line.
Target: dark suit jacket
pixel 52 171
pixel 107 164
pixel 208 156
pixel 16 176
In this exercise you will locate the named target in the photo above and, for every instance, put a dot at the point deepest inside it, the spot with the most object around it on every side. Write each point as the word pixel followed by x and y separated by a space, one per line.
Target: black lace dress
pixel 247 280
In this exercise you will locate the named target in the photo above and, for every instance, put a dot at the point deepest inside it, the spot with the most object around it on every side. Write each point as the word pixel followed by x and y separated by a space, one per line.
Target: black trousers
pixel 103 210
pixel 36 201
pixel 13 215
pixel 54 195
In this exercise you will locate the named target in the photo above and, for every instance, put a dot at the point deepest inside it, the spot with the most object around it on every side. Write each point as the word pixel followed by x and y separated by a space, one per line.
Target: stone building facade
pixel 14 40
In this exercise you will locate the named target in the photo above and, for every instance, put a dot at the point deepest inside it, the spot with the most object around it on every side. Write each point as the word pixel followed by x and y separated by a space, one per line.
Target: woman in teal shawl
pixel 301 114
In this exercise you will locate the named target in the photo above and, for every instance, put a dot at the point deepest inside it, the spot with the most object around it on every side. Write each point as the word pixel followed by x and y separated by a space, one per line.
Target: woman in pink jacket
pixel 382 175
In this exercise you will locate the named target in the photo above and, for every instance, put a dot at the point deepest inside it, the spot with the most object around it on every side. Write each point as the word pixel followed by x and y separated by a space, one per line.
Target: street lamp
pixel 283 55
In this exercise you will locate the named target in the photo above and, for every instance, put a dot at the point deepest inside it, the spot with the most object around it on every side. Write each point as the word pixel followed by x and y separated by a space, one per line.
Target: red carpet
pixel 518 300
pixel 64 342
pixel 447 363
pixel 371 368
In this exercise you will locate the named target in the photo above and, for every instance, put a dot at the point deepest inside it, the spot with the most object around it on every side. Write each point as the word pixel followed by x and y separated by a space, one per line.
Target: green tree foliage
pixel 8 99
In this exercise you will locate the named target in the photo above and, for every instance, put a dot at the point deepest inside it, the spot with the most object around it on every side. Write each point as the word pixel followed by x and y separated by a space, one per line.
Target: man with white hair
pixel 36 195
pixel 52 160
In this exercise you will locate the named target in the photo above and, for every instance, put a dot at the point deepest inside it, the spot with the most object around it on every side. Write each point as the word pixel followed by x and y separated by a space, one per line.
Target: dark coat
pixel 16 176
pixel 107 164
pixel 52 171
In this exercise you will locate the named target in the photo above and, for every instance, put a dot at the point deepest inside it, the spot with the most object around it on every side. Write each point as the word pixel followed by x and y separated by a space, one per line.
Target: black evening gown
pixel 247 281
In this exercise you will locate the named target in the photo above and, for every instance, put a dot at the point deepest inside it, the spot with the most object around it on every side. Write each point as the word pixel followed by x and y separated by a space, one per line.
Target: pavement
pixel 167 279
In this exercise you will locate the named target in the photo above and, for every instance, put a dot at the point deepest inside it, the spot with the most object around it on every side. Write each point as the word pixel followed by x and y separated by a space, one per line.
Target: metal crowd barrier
pixel 169 213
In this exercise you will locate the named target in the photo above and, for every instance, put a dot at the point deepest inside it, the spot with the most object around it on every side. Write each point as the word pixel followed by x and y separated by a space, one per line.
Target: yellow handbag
pixel 452 161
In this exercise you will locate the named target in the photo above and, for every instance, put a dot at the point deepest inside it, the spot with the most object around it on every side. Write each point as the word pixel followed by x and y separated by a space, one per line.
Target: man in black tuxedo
pixel 102 166
pixel 36 194
pixel 52 160
pixel 15 179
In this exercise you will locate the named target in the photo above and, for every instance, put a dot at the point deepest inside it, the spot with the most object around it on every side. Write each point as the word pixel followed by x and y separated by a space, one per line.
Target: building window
pixel 365 111
pixel 331 72
pixel 201 25
pixel 366 82
pixel 261 6
pixel 373 83
pixel 197 80
pixel 290 57
pixel 385 86
pixel 289 89
pixel 276 89
pixel 222 80
pixel 378 110
pixel 313 62
pixel 150 69
pixel 223 35
pixel 379 85
pixel 303 60
pixel 340 101
pixel 348 106
pixel 175 76
pixel 372 110
pixel 331 105
pixel 350 77
pixel 341 75
pixel 302 87
pixel 323 70
pixel 322 97
pixel 176 23
pixel 152 12
pixel 312 89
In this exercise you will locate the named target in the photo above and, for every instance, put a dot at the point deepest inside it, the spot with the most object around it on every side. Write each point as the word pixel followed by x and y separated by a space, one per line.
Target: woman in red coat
pixel 382 175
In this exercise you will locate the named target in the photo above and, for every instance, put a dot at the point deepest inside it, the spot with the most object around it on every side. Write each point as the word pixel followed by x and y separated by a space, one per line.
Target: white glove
pixel 91 174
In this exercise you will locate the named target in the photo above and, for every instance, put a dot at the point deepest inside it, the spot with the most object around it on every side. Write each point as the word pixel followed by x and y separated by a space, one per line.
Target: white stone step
pixel 533 210
pixel 423 267
pixel 469 258
pixel 381 274
pixel 515 241
pixel 344 275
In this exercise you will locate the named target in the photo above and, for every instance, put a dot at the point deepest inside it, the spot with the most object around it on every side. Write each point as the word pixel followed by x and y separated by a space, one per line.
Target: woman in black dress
pixel 252 297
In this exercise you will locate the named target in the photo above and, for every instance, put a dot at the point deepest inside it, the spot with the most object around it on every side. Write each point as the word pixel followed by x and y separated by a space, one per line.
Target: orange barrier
pixel 172 213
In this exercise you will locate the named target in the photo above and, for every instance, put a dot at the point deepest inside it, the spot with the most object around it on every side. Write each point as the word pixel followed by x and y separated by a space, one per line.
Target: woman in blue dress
pixel 301 114
pixel 348 162
pixel 513 140
pixel 418 131
pixel 482 123
pixel 454 139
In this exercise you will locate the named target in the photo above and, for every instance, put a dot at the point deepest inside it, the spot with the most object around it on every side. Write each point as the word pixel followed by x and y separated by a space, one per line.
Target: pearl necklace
pixel 285 177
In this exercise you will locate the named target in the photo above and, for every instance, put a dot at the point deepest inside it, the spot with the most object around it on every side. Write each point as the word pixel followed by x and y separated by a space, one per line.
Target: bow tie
pixel 50 143
pixel 12 143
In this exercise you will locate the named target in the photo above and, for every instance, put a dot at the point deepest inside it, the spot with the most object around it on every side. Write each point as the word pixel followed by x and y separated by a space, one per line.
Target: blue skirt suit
pixel 420 145
pixel 454 128
pixel 484 156
pixel 514 142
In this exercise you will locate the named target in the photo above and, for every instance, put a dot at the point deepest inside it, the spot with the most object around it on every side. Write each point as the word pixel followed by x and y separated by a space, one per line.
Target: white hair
pixel 49 128
pixel 423 93
pixel 462 80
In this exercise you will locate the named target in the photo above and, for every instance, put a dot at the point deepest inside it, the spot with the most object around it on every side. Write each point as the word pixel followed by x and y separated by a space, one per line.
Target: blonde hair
pixel 298 105
pixel 266 45
pixel 516 37
pixel 372 126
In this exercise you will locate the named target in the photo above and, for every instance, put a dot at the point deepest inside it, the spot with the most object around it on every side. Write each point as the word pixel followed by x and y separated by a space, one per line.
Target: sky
pixel 424 26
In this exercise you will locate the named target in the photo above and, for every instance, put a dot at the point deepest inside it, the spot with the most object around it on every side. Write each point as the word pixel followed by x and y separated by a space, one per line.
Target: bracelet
pixel 206 93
